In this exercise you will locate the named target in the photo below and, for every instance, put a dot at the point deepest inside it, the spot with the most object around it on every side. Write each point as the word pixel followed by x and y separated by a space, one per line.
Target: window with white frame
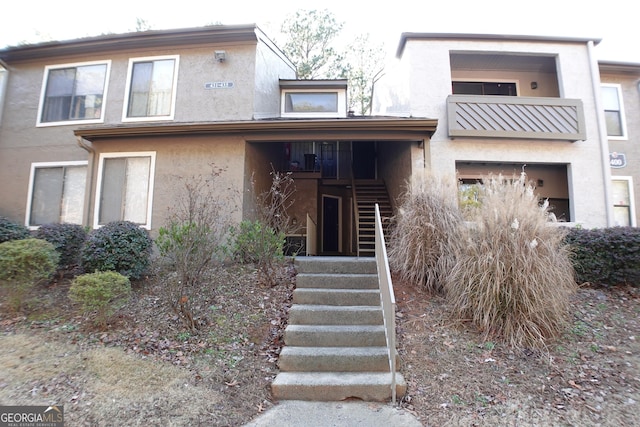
pixel 313 103
pixel 623 201
pixel 614 111
pixel 151 88
pixel 73 93
pixel 56 193
pixel 125 188
pixel 4 76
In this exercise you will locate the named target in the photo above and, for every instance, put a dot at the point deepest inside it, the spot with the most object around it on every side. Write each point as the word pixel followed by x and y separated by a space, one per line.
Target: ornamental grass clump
pixel 424 242
pixel 514 278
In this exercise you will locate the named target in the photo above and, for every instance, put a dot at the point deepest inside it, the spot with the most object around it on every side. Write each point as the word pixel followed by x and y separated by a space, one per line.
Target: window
pixel 56 193
pixel 151 91
pixel 614 111
pixel 316 103
pixel 4 76
pixel 484 88
pixel 125 188
pixel 623 203
pixel 73 93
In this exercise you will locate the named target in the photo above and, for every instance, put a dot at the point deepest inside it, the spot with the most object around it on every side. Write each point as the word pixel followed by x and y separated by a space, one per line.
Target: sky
pixel 613 21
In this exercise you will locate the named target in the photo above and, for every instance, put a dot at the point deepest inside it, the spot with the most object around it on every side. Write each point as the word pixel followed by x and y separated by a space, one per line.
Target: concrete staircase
pixel 335 346
pixel 367 194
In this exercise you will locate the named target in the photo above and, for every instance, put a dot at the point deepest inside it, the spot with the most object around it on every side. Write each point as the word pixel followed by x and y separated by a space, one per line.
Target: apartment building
pixel 104 128
pixel 505 104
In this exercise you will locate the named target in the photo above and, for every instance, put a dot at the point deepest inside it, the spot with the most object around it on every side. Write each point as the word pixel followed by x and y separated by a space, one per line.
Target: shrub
pixel 607 256
pixel 514 277
pixel 101 292
pixel 423 243
pixel 120 246
pixel 255 242
pixel 24 263
pixel 191 239
pixel 68 239
pixel 10 230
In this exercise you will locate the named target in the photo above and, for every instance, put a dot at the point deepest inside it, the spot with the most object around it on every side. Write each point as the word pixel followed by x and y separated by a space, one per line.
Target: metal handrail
pixel 356 213
pixel 387 298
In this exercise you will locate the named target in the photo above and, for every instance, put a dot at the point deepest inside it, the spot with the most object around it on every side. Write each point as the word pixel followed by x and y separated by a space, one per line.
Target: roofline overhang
pixel 255 128
pixel 404 37
pixel 135 40
pixel 619 67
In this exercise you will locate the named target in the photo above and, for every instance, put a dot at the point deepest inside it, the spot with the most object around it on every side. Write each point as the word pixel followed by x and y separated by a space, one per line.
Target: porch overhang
pixel 269 129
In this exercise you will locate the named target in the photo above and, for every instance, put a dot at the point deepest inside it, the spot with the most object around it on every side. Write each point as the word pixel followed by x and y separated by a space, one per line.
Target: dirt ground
pixel 588 377
pixel 147 369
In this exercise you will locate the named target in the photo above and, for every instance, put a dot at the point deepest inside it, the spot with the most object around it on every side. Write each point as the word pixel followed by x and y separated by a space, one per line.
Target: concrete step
pixel 334 335
pixel 313 314
pixel 337 281
pixel 315 296
pixel 335 265
pixel 333 359
pixel 336 386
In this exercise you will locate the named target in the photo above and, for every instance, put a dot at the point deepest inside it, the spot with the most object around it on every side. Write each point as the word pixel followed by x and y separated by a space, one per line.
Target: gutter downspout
pixel 89 182
pixel 602 133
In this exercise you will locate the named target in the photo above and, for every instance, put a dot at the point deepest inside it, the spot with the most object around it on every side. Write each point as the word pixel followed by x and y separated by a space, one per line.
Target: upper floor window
pixel 125 188
pixel 73 93
pixel 484 88
pixel 313 98
pixel 151 88
pixel 614 111
pixel 56 193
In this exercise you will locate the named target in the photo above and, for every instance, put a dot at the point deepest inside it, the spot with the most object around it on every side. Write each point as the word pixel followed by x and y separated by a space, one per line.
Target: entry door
pixel 331 226
pixel 364 159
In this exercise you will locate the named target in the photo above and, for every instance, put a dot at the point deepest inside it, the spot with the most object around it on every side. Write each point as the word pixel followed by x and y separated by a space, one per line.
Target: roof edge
pixel 378 124
pixel 134 40
pixel 475 36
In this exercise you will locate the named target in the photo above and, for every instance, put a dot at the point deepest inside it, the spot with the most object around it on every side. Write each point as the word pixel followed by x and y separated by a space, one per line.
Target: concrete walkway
pixel 293 413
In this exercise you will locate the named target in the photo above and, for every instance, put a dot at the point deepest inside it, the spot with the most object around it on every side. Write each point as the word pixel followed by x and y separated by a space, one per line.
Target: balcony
pixel 515 117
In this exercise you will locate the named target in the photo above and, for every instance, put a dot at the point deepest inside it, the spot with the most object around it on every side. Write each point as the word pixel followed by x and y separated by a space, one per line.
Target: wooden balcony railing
pixel 515 117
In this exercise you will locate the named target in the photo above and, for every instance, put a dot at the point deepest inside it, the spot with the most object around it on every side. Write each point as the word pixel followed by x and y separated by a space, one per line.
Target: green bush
pixel 514 277
pixel 253 241
pixel 68 239
pixel 10 230
pixel 120 246
pixel 24 263
pixel 101 292
pixel 606 256
pixel 257 243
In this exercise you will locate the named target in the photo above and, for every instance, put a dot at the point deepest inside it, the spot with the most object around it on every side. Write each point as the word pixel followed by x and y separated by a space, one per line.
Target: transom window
pixel 73 93
pixel 125 188
pixel 151 89
pixel 614 111
pixel 56 193
pixel 313 101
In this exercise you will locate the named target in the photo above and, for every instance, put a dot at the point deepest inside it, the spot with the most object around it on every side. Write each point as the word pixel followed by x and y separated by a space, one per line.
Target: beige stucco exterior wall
pixel 629 146
pixel 22 142
pixel 185 157
pixel 430 82
pixel 270 68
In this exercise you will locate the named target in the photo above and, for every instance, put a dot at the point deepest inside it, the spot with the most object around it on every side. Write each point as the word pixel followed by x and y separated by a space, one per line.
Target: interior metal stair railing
pixel 366 194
